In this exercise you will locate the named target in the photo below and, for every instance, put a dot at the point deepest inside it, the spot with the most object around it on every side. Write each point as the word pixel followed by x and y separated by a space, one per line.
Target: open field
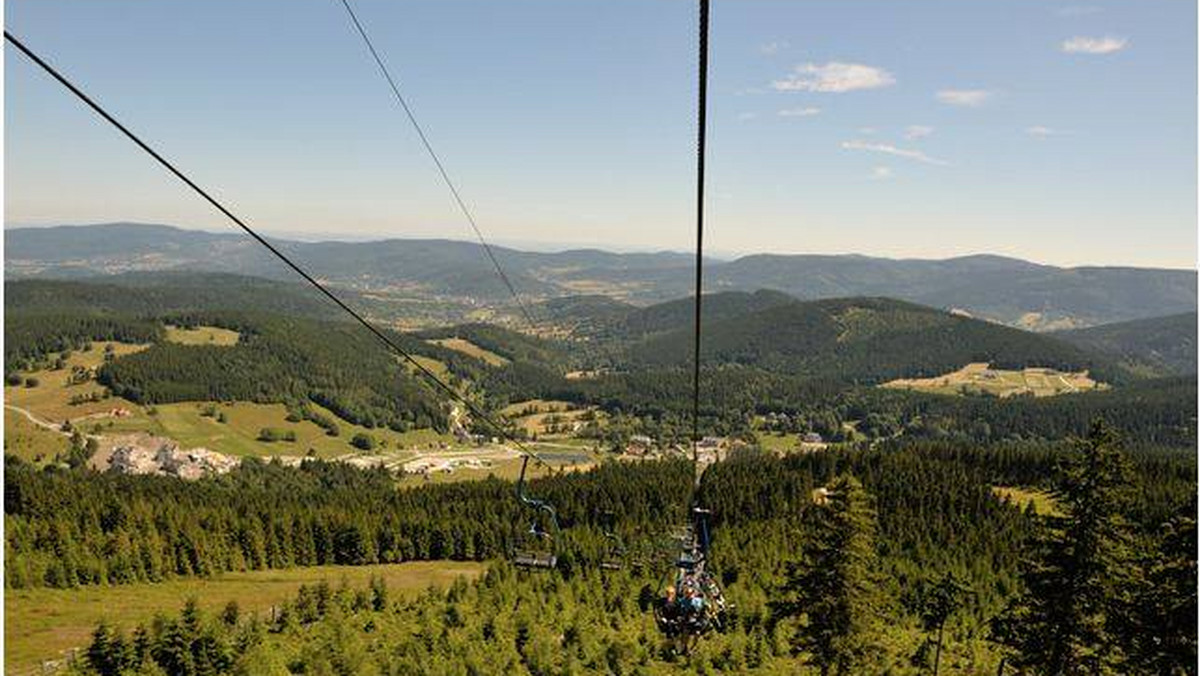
pixel 238 435
pixel 434 366
pixel 979 378
pixel 543 410
pixel 50 400
pixel 471 350
pixel 202 335
pixel 569 455
pixel 30 442
pixel 1043 502
pixel 786 443
pixel 40 624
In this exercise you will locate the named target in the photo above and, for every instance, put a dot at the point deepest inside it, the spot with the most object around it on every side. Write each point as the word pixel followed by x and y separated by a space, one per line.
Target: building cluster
pixel 162 456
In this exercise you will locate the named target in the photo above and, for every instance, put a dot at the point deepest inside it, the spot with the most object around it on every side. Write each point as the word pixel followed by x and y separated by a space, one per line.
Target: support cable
pixel 462 205
pixel 388 342
pixel 701 141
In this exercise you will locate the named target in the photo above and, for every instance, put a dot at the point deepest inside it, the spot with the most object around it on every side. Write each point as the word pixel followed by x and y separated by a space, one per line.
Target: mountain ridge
pixel 1000 288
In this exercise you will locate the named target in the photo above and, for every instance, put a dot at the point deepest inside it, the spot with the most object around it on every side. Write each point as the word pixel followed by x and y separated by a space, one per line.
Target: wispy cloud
pixel 746 116
pixel 1083 45
pixel 807 111
pixel 834 77
pixel 971 98
pixel 882 173
pixel 888 149
pixel 773 47
pixel 916 131
pixel 869 131
pixel 1041 132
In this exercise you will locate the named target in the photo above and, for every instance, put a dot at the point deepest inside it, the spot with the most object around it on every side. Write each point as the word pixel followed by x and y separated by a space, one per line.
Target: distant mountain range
pixel 1007 290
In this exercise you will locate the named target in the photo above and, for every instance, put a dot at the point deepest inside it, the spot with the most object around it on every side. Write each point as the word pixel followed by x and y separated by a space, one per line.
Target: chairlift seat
pixel 540 560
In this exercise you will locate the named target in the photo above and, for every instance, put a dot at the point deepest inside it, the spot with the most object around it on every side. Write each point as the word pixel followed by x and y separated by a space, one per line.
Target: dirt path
pixel 36 420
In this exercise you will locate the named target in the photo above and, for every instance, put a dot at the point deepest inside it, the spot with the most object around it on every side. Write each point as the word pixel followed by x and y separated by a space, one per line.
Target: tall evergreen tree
pixel 1067 621
pixel 833 588
pixel 1162 633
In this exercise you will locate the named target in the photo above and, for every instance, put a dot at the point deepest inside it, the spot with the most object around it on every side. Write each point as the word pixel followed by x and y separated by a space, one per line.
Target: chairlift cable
pixel 701 142
pixel 462 205
pixel 388 342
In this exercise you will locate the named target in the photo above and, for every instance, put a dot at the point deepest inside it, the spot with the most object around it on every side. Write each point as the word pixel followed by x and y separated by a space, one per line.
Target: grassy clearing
pixel 30 442
pixel 202 335
pixel 471 350
pixel 40 624
pixel 50 400
pixel 434 366
pixel 238 435
pixel 564 456
pixel 545 413
pixel 978 378
pixel 1043 502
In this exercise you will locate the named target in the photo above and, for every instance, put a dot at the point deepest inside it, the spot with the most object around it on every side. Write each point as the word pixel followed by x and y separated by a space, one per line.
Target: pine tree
pixel 1162 634
pixel 1068 619
pixel 834 585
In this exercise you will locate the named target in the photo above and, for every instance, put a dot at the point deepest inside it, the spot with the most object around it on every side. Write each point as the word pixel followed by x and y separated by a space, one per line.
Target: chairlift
pixel 535 545
pixel 691 602
pixel 615 552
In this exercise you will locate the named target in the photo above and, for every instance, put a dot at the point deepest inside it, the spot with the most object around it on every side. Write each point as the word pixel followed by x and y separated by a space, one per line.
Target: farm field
pixel 1043 502
pixel 471 350
pixel 41 624
pixel 202 335
pixel 979 378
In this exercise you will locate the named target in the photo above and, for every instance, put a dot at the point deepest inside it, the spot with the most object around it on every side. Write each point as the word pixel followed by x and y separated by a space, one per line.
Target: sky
pixel 1057 131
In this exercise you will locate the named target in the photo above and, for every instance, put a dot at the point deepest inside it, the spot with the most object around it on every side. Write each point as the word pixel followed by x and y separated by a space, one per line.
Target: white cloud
pixel 773 47
pixel 834 77
pixel 882 173
pixel 971 98
pixel 889 149
pixel 807 111
pixel 747 116
pixel 1040 131
pixel 916 131
pixel 869 131
pixel 1105 45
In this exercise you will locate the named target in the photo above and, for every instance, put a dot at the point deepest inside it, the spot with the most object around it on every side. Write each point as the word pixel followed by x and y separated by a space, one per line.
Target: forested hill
pixel 865 340
pixel 1003 289
pixel 1158 344
pixel 151 294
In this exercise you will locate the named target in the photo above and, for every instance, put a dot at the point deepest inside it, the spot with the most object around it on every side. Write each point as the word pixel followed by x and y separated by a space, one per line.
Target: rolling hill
pixel 1002 289
pixel 861 340
pixel 1159 344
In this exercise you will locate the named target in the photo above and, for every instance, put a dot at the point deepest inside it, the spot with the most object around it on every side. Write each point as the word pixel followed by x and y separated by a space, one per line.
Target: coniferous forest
pixel 914 544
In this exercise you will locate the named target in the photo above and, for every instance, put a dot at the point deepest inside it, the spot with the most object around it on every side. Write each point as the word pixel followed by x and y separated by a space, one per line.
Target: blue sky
pixel 1062 132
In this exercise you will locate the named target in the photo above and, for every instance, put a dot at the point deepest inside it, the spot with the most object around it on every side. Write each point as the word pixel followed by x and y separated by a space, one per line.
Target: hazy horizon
pixel 1046 131
pixel 561 247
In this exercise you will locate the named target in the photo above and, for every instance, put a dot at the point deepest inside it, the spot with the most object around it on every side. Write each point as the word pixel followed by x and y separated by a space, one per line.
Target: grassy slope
pixel 29 442
pixel 471 350
pixel 202 335
pixel 50 399
pixel 42 623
